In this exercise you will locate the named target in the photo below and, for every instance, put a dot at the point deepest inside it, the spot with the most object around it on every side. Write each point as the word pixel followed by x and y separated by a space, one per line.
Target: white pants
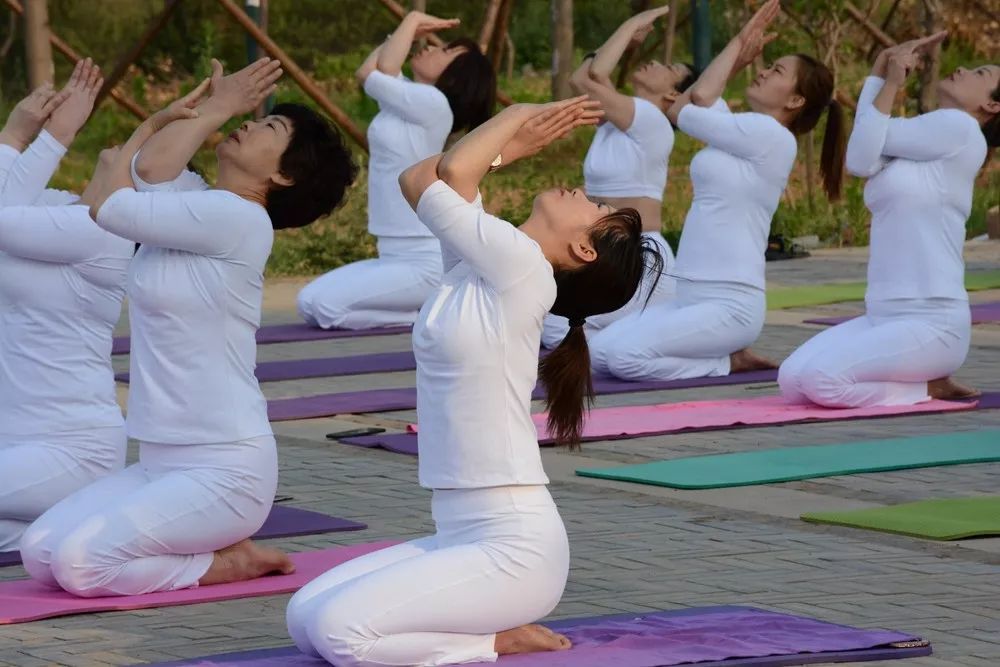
pixel 36 472
pixel 885 357
pixel 556 327
pixel 499 560
pixel 690 336
pixel 383 292
pixel 155 525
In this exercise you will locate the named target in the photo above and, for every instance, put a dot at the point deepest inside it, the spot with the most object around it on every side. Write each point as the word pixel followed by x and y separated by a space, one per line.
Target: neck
pixel 239 185
pixel 419 78
pixel 537 231
pixel 655 100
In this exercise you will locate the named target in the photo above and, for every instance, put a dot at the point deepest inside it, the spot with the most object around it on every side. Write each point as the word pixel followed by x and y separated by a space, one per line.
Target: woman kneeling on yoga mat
pixel 738 179
pixel 499 559
pixel 62 280
pixel 921 173
pixel 207 469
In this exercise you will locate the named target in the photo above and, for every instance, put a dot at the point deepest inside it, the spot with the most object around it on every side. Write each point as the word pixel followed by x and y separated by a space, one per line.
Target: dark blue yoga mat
pixel 283 521
pixel 707 637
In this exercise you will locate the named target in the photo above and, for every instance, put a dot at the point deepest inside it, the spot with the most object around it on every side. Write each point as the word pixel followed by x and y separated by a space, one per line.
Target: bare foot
pixel 244 561
pixel 530 639
pixel 745 360
pixel 947 389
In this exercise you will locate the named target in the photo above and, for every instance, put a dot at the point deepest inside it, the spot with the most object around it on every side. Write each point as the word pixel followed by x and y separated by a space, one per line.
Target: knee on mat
pixel 78 569
pixel 340 635
pixel 823 387
pixel 36 554
pixel 620 363
pixel 789 383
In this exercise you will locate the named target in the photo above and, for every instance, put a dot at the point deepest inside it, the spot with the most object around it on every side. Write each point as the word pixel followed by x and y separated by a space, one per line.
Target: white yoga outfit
pixel 499 535
pixel 630 163
pixel 412 124
pixel 719 309
pixel 917 327
pixel 62 280
pixel 207 467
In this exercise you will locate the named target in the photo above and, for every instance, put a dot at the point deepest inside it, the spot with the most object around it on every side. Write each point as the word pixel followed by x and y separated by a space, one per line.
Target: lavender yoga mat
pixel 384 400
pixel 26 600
pixel 981 314
pixel 288 333
pixel 283 521
pixel 406 443
pixel 710 637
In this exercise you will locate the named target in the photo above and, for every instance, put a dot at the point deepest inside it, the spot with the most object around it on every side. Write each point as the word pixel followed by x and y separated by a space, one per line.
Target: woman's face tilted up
pixel 972 90
pixel 256 147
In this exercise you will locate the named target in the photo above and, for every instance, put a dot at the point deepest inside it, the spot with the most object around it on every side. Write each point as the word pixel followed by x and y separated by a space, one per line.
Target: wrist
pixel 63 135
pixel 11 139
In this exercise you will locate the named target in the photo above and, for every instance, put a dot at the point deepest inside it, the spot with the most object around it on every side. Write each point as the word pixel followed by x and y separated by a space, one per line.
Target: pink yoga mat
pixel 640 420
pixel 26 600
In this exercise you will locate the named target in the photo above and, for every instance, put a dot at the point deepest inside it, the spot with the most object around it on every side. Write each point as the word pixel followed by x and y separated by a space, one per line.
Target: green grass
pixel 817 295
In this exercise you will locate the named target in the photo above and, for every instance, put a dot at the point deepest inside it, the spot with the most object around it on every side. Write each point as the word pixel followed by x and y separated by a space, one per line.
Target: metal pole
pixel 701 27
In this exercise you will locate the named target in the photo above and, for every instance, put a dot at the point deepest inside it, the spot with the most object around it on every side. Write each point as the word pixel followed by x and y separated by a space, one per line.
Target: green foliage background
pixel 330 38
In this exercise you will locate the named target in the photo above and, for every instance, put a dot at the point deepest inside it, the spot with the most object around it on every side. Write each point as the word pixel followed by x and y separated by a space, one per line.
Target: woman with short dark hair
pixel 207 471
pixel 452 90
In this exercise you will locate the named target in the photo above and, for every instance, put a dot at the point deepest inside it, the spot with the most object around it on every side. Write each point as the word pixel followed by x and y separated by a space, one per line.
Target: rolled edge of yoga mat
pixel 941 519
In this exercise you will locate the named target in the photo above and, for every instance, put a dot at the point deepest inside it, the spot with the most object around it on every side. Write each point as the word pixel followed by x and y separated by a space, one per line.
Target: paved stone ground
pixel 635 548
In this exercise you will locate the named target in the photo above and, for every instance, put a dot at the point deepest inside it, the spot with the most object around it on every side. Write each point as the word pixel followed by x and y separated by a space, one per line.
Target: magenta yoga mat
pixel 387 400
pixel 643 420
pixel 982 313
pixel 708 637
pixel 288 333
pixel 25 600
pixel 282 521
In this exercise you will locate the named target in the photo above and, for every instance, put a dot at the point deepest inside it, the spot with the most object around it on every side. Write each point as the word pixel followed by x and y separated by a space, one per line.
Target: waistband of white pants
pixel 466 501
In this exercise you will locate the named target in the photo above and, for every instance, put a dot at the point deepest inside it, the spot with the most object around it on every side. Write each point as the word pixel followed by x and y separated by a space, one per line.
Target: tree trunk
pixel 562 48
pixel 668 48
pixel 489 24
pixel 932 70
pixel 420 6
pixel 500 38
pixel 37 46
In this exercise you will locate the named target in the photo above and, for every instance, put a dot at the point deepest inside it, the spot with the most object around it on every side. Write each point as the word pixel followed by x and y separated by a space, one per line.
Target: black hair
pixel 601 286
pixel 991 129
pixel 689 80
pixel 318 164
pixel 469 83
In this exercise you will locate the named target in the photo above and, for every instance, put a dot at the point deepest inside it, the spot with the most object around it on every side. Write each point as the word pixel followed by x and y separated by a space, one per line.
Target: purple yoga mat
pixel 277 371
pixel 283 521
pixel 709 637
pixel 384 400
pixel 406 443
pixel 981 314
pixel 288 333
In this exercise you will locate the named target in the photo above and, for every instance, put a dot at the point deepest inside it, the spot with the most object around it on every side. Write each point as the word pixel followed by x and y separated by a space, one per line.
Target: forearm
pixel 393 52
pixel 886 97
pixel 469 160
pixel 603 64
pixel 9 138
pixel 368 66
pixel 712 82
pixel 119 174
pixel 31 171
pixel 167 152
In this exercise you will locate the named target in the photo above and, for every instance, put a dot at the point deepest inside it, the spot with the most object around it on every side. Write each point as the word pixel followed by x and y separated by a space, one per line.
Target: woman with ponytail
pixel 738 179
pixel 921 172
pixel 499 559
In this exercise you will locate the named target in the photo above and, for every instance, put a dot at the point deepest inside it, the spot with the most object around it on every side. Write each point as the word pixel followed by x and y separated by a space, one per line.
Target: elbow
pixel 858 165
pixel 699 98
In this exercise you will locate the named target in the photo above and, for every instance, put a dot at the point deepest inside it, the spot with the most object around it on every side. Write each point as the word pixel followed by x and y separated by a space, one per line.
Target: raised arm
pixel 368 66
pixel 170 149
pixel 79 95
pixel 392 54
pixel 29 115
pixel 593 77
pixel 740 52
pixel 58 234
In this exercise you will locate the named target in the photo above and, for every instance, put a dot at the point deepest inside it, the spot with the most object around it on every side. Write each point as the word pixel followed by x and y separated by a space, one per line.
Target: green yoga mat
pixel 941 519
pixel 816 295
pixel 784 465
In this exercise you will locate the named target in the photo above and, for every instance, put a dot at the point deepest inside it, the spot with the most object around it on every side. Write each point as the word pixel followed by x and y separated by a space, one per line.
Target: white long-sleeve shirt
pixel 62 279
pixel 921 172
pixel 630 163
pixel 412 124
pixel 476 342
pixel 738 180
pixel 24 177
pixel 195 290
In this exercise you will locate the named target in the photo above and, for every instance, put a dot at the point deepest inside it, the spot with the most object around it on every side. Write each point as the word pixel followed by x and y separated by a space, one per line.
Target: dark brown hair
pixel 601 286
pixel 470 85
pixel 991 129
pixel 815 84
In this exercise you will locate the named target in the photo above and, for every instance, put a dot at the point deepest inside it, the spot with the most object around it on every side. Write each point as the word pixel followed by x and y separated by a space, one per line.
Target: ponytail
pixel 624 256
pixel 569 389
pixel 832 160
pixel 991 129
